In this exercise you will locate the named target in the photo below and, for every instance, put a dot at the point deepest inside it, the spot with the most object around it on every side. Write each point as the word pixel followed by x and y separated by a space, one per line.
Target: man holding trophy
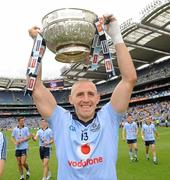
pixel 87 141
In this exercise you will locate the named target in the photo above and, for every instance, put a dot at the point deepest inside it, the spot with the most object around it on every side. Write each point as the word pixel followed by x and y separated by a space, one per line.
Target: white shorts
pixel 2 146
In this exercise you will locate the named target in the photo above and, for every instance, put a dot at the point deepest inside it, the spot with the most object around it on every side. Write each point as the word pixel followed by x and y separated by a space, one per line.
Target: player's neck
pixel 44 128
pixel 20 126
pixel 84 122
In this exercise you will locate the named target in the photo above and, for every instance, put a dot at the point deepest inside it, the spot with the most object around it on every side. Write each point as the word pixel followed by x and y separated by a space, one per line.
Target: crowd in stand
pixel 11 122
pixel 160 112
pixel 152 94
pixel 154 74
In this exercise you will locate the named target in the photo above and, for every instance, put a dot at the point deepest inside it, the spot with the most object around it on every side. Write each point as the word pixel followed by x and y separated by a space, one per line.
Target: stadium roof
pixel 147 40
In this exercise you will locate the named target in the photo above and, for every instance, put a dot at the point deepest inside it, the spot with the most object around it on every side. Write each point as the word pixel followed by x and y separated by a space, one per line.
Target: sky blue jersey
pixel 21 133
pixel 131 130
pixel 149 132
pixel 86 152
pixel 2 146
pixel 44 136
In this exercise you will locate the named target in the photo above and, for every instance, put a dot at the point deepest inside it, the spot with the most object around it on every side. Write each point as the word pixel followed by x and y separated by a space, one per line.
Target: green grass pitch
pixel 126 170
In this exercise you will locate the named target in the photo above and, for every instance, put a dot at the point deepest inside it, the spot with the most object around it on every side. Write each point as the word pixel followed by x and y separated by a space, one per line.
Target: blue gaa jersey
pixel 21 133
pixel 44 137
pixel 2 146
pixel 86 152
pixel 149 132
pixel 131 130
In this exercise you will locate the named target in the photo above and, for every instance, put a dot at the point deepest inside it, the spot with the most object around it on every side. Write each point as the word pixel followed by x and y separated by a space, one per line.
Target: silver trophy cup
pixel 69 33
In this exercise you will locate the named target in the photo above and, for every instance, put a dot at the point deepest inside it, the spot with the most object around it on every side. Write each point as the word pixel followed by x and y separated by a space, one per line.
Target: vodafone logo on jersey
pixel 84 150
pixel 87 162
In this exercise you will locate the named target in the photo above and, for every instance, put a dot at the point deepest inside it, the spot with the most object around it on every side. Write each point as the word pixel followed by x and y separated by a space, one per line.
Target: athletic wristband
pixel 115 33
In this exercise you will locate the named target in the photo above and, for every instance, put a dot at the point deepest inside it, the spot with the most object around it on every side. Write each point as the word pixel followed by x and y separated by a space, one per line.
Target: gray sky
pixel 17 16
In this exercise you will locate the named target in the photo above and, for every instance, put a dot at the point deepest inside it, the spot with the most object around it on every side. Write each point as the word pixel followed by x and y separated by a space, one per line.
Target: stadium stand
pixel 151 92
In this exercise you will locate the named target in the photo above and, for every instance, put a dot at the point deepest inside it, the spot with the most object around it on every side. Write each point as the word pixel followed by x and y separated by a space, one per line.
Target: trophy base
pixel 72 53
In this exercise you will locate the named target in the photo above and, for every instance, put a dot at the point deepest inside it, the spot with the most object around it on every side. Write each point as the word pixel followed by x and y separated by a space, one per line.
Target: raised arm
pixel 43 98
pixel 121 95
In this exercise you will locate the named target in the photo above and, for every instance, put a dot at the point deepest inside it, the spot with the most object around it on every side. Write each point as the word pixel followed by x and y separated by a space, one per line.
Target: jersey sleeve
pixel 27 131
pixel 116 116
pixel 3 147
pixel 59 117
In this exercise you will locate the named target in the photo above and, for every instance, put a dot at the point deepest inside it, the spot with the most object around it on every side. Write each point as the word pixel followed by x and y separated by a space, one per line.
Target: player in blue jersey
pixel 45 137
pixel 148 135
pixel 20 137
pixel 2 153
pixel 130 128
pixel 87 141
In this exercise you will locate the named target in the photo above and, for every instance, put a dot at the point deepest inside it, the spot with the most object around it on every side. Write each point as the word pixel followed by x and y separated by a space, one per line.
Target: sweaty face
pixel 85 98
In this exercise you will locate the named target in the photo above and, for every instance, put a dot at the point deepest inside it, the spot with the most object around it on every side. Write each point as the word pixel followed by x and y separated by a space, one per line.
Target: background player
pixel 20 137
pixel 148 135
pixel 131 130
pixel 45 137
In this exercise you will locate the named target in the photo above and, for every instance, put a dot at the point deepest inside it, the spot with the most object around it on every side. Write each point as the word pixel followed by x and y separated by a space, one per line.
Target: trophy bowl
pixel 68 33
